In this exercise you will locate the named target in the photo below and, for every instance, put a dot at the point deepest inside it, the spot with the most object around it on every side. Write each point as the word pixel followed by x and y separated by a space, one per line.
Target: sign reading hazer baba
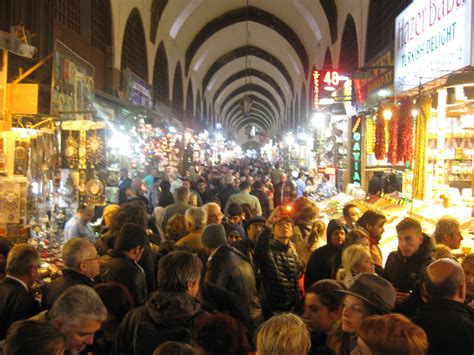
pixel 432 38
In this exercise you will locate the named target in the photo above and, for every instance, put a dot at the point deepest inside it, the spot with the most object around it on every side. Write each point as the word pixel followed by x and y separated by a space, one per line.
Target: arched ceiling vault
pixel 256 98
pixel 228 50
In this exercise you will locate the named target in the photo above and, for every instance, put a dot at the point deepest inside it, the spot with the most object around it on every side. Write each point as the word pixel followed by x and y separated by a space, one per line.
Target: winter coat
pixel 281 268
pixel 264 202
pixel 117 266
pixel 166 316
pixel 449 326
pixel 53 290
pixel 230 269
pixel 228 191
pixel 16 303
pixel 320 265
pixel 404 272
pixel 148 261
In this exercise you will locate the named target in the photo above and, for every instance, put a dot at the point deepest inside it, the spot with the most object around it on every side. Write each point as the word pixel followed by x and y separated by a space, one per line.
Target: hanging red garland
pixel 380 139
pixel 392 155
pixel 405 131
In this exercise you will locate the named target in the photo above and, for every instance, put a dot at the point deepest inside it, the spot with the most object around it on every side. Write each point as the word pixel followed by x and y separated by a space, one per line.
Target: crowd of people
pixel 233 260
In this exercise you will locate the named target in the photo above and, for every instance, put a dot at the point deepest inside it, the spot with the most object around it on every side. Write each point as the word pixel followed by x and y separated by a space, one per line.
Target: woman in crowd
pixel 176 228
pixel 355 260
pixel 391 334
pixel 369 295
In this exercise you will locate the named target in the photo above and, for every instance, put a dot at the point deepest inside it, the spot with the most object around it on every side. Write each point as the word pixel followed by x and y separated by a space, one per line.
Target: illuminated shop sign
pixel 323 82
pixel 432 39
pixel 356 150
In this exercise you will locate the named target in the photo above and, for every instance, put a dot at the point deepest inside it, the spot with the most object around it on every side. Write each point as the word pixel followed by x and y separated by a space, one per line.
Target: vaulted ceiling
pixel 263 49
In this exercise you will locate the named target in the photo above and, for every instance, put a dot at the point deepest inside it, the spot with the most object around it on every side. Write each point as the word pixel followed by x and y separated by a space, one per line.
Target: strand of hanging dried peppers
pixel 380 138
pixel 405 131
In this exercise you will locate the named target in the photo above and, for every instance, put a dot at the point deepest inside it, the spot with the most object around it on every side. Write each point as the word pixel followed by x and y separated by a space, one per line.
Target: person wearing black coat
pixel 405 266
pixel 258 192
pixel 81 267
pixel 447 321
pixel 230 269
pixel 16 300
pixel 131 213
pixel 321 262
pixel 170 313
pixel 120 264
pixel 280 266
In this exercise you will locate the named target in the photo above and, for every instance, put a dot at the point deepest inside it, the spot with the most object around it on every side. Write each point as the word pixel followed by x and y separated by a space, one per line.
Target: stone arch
pixel 243 14
pixel 134 54
pixel 189 102
pixel 349 57
pixel 198 111
pixel 157 9
pixel 303 104
pixel 178 91
pixel 160 75
pixel 330 9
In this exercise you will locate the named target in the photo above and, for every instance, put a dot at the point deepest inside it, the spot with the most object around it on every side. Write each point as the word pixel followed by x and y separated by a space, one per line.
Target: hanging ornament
pixel 72 151
pixel 95 150
pixel 94 191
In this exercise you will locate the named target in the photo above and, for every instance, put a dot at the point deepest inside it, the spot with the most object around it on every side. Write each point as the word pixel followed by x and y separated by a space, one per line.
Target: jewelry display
pixel 95 150
pixel 95 191
pixel 71 151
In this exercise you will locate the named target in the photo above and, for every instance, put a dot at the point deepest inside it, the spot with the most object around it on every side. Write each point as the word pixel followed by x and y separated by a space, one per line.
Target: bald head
pixel 445 279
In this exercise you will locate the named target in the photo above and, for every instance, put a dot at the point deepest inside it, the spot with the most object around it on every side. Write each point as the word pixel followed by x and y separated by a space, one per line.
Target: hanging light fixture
pixel 246 102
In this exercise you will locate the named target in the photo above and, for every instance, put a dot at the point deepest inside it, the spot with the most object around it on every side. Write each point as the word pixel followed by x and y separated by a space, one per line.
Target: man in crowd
pixel 373 222
pixel 448 232
pixel 180 206
pixel 121 263
pixel 78 313
pixel 285 191
pixel 351 214
pixel 300 185
pixel 204 192
pixel 154 193
pixel 405 266
pixel 124 183
pixel 16 300
pixel 213 212
pixel 195 222
pixel 280 265
pixel 78 227
pixel 229 190
pixel 244 196
pixel 194 196
pixel 149 180
pixel 276 174
pixel 254 226
pixel 81 266
pixel 447 321
pixel 170 313
pixel 230 269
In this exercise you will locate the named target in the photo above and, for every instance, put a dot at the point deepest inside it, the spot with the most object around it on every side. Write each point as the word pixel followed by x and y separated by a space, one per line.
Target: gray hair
pixel 75 251
pixel 210 204
pixel 177 269
pixel 182 194
pixel 21 258
pixel 446 225
pixel 78 303
pixel 196 216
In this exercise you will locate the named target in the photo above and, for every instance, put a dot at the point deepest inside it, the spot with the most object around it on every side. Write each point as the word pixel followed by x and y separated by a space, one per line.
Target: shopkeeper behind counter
pixel 78 227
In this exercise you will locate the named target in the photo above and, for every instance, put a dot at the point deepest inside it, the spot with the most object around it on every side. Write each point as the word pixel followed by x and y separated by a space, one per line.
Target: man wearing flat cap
pixel 280 266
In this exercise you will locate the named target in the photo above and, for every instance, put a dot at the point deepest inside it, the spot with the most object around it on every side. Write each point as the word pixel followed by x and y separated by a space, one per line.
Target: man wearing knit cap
pixel 321 263
pixel 120 264
pixel 230 269
pixel 280 265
